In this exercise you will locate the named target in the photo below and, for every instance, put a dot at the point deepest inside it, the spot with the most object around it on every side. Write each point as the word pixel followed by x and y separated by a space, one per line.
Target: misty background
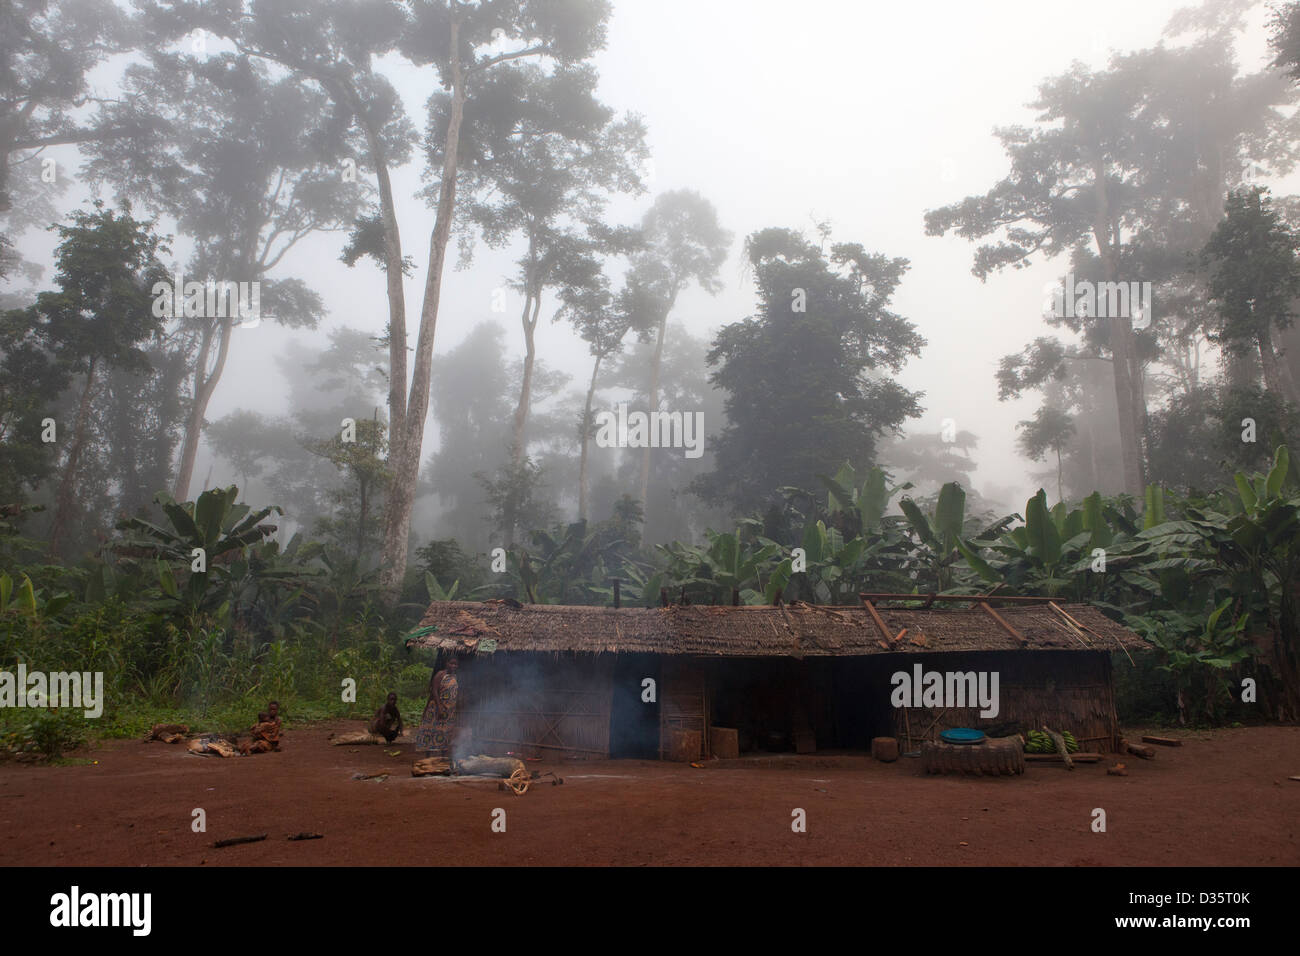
pixel 856 118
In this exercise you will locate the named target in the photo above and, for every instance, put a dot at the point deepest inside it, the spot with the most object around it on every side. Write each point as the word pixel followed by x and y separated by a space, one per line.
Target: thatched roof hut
pixel 547 678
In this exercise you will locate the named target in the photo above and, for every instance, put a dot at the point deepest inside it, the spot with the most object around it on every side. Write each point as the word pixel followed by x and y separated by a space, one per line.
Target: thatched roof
pixel 796 630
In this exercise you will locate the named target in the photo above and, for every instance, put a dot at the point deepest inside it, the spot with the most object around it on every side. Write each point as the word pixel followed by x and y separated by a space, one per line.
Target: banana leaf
pixel 978 564
pixel 949 514
pixel 1044 540
pixel 920 524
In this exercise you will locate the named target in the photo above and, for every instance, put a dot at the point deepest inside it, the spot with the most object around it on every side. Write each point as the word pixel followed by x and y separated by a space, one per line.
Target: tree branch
pixel 493 61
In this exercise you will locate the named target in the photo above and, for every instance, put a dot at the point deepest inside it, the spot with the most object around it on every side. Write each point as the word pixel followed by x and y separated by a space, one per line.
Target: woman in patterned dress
pixel 438 724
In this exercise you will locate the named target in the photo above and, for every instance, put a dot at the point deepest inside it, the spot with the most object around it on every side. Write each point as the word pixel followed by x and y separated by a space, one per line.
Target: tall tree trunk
pixel 653 403
pixel 406 445
pixel 532 306
pixel 67 486
pixel 1239 369
pixel 1277 375
pixel 1123 347
pixel 519 437
pixel 396 294
pixel 1060 479
pixel 1129 441
pixel 361 525
pixel 1288 340
pixel 204 387
pixel 1094 471
pixel 246 262
pixel 1137 378
pixel 586 440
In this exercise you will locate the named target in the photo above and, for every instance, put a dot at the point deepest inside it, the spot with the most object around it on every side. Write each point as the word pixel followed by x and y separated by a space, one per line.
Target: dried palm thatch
pixel 796 630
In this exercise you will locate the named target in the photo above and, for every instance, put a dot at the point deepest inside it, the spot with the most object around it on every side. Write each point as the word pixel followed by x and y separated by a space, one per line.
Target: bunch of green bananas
pixel 1038 742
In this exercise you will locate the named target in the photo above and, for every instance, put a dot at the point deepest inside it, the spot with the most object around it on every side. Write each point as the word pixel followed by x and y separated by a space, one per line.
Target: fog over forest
pixel 829 249
pixel 910 128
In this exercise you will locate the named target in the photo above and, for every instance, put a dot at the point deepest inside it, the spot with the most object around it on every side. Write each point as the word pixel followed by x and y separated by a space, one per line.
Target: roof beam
pixel 1002 623
pixel 929 599
pixel 880 624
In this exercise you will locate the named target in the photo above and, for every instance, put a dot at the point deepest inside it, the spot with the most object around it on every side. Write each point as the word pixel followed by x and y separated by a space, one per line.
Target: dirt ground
pixel 1224 798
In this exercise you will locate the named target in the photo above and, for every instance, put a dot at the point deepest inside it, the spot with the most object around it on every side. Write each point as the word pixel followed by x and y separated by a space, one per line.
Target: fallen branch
pixel 234 841
pixel 356 739
pixel 1060 747
pixel 1056 758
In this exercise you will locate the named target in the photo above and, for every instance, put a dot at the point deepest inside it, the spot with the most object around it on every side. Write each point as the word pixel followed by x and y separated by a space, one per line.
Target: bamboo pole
pixel 1070 623
pixel 1061 611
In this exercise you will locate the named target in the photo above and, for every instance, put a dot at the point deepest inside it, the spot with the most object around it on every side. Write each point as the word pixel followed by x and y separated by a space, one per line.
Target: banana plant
pixel 272 587
pixel 935 537
pixel 643 583
pixel 523 573
pixel 1056 551
pixel 737 566
pixel 1199 654
pixel 437 592
pixel 1252 535
pixel 1260 543
pixel 567 565
pixel 26 598
pixel 204 538
pixel 1240 545
pixel 834 569
pixel 734 566
pixel 859 510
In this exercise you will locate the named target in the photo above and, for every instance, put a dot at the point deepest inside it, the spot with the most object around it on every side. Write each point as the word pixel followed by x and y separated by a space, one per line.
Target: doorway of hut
pixel 783 705
pixel 634 721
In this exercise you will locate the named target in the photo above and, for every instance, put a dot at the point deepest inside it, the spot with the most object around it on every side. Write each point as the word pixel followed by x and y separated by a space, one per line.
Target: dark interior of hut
pixel 634 716
pixel 780 705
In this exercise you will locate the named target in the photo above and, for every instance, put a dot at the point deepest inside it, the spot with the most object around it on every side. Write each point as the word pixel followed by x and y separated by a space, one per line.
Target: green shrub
pixel 46 734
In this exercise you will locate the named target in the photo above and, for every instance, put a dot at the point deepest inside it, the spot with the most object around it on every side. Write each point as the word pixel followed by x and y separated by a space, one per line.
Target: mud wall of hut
pixel 1064 690
pixel 535 705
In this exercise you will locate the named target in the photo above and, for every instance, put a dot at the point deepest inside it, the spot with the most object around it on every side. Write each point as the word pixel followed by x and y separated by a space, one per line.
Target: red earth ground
pixel 1224 798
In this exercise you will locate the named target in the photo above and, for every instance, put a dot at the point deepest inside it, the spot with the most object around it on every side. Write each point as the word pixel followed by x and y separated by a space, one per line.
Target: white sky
pixel 863 113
